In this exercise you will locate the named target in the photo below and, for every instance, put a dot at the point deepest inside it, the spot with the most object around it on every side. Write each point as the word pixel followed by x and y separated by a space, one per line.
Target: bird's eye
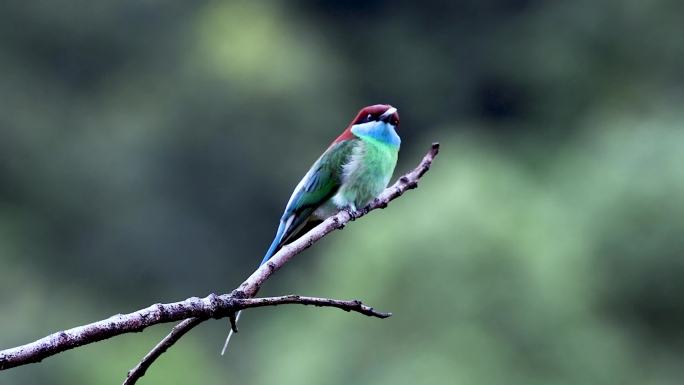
pixel 368 118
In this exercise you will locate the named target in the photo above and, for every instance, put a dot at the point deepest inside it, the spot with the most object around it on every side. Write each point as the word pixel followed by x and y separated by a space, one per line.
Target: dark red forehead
pixel 374 111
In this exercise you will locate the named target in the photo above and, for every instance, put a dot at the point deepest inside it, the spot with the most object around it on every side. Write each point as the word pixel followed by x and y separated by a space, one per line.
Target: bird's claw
pixel 353 214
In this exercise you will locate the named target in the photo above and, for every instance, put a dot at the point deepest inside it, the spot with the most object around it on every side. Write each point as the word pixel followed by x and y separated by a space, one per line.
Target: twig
pixel 196 310
pixel 177 332
pixel 348 306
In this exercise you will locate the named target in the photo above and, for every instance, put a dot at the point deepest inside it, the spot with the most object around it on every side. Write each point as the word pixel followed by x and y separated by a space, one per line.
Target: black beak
pixel 387 116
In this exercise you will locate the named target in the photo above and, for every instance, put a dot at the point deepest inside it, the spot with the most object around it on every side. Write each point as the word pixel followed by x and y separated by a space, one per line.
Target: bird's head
pixel 377 120
pixel 376 113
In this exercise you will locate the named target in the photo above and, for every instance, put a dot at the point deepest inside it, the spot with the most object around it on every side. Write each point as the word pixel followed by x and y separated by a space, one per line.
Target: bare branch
pixel 194 311
pixel 179 330
pixel 251 286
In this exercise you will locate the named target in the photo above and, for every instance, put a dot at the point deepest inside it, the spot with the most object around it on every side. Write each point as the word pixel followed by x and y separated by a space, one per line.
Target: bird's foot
pixel 353 213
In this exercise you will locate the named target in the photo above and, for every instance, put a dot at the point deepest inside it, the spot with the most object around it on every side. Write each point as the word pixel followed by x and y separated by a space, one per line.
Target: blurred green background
pixel 147 149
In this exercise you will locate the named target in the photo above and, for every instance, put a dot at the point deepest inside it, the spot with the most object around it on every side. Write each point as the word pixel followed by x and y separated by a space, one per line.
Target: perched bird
pixel 356 167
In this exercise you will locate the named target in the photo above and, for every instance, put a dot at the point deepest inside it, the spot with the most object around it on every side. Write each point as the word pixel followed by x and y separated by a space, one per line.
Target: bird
pixel 354 169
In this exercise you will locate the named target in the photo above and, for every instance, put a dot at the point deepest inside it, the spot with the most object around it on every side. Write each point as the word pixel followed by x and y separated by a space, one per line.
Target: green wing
pixel 318 185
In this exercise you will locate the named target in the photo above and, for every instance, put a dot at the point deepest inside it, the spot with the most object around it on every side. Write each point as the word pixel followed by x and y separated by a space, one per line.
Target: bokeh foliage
pixel 147 148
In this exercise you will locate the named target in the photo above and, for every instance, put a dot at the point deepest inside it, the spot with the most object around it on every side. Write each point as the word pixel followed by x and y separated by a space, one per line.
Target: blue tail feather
pixel 276 242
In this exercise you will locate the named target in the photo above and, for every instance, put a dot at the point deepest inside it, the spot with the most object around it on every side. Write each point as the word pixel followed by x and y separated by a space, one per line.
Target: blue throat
pixel 380 131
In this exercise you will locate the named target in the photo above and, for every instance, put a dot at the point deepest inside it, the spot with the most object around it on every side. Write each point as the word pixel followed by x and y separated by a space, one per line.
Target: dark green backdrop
pixel 147 148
